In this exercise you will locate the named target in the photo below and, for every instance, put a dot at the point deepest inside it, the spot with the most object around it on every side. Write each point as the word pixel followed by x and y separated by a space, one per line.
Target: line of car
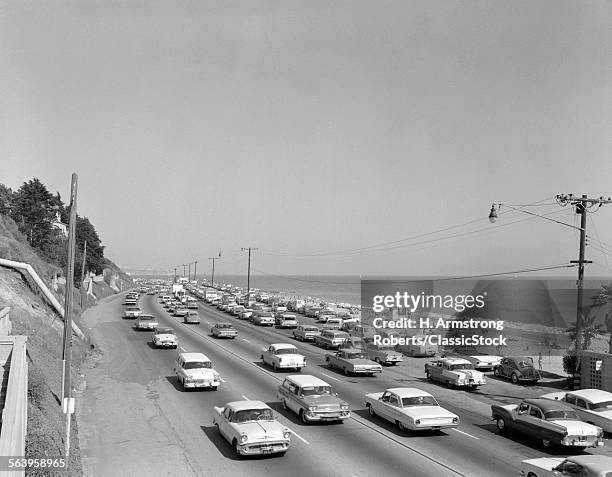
pixel 312 399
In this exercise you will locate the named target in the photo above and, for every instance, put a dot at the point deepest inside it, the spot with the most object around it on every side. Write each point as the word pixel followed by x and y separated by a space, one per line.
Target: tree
pixel 94 261
pixel 6 199
pixel 590 329
pixel 33 212
pixel 603 299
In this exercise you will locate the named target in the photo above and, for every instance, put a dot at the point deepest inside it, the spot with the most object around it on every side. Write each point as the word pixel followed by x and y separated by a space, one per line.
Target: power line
pixel 516 272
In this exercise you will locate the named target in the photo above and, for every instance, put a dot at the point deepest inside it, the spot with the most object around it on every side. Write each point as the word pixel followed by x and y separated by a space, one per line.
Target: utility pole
pixel 195 270
pixel 212 279
pixel 248 297
pixel 67 399
pixel 175 274
pixel 84 259
pixel 183 270
pixel 189 274
pixel 582 204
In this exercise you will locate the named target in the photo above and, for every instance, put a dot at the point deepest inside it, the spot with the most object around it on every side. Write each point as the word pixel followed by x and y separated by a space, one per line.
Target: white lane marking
pixel 245 340
pixel 182 349
pixel 245 398
pixel 469 435
pixel 330 377
pixel 298 436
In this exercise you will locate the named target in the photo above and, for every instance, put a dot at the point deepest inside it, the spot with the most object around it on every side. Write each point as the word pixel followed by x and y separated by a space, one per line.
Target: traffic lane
pixel 343 440
pixel 454 445
pixel 474 426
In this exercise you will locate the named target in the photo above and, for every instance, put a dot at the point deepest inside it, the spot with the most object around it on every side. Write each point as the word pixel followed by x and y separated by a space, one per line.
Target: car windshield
pixel 164 331
pixel 286 351
pixel 224 325
pixel 145 318
pixel 315 390
pixel 310 328
pixel 198 365
pixel 419 401
pixel 462 366
pixel 561 415
pixel 133 309
pixel 253 415
pixel 524 363
pixel 356 355
pixel 600 406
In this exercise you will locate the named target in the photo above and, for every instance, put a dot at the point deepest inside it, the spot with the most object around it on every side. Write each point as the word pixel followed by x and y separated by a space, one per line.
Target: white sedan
pixel 592 405
pixel 282 356
pixel 251 429
pixel 411 409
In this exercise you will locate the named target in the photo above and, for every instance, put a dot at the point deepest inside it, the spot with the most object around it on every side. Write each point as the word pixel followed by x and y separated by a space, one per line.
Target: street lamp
pixel 583 205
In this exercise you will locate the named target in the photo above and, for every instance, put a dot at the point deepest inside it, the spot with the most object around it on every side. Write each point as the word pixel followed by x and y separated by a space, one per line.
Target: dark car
pixel 518 369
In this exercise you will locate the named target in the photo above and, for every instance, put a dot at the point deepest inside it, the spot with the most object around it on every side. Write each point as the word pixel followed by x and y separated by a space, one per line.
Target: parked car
pixel 454 372
pixel 312 399
pixel 333 323
pixel 352 361
pixel 164 337
pixel 251 429
pixel 411 409
pixel 192 317
pixel 132 312
pixel 192 303
pixel 331 338
pixel 195 370
pixel 592 405
pixel 573 466
pixel 246 314
pixel 306 333
pixel 282 356
pixel 146 322
pixel 224 330
pixel 236 310
pixel 551 423
pixel 518 369
pixel 286 320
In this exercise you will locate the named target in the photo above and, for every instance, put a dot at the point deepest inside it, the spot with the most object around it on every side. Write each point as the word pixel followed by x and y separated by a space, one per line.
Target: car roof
pixel 352 350
pixel 306 380
pixel 456 360
pixel 146 317
pixel 597 463
pixel 194 357
pixel 224 325
pixel 592 395
pixel 243 405
pixel 283 346
pixel 408 392
pixel 548 404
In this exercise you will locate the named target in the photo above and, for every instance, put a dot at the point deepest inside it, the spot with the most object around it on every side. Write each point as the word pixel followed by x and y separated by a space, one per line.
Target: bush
pixel 569 363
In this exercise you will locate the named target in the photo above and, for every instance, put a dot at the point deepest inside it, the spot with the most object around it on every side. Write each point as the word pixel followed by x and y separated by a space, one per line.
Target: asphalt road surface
pixel 134 418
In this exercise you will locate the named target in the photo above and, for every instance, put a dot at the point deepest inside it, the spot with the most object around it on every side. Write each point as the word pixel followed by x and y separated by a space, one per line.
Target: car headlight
pixel 455 420
pixel 188 378
pixel 344 407
pixel 312 408
pixel 216 377
pixel 417 421
pixel 243 438
pixel 287 435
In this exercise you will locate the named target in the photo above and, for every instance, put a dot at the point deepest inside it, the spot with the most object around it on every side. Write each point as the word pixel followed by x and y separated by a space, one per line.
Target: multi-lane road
pixel 134 418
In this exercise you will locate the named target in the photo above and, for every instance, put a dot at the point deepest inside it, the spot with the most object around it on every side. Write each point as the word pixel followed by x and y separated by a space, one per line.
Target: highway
pixel 167 431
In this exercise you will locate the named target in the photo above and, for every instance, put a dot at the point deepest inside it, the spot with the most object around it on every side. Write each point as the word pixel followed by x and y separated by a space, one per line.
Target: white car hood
pixel 261 430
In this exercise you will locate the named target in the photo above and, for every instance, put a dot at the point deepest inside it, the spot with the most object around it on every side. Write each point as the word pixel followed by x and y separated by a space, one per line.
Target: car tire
pixel 345 371
pixel 274 367
pixel 298 369
pixel 235 446
pixel 428 376
pixel 213 388
pixel 496 372
pixel 303 417
pixel 401 426
pixel 377 360
pixel 501 425
pixel 371 410
pixel 284 403
pixel 514 378
pixel 449 385
pixel 281 454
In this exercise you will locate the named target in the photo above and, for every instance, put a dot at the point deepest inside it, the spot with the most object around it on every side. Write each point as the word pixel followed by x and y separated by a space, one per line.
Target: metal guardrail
pixel 15 411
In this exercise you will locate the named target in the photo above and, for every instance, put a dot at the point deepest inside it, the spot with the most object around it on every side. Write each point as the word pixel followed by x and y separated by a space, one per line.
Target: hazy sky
pixel 312 126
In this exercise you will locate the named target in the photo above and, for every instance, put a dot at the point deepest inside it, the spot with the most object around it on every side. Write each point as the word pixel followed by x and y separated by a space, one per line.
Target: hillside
pixel 31 315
